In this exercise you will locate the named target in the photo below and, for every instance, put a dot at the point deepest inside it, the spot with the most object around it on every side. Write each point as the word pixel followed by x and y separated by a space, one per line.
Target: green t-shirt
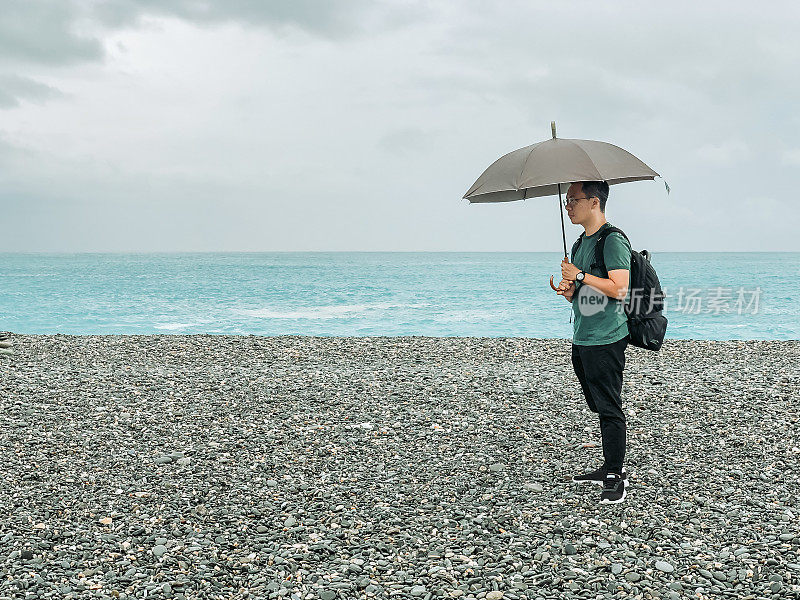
pixel 599 319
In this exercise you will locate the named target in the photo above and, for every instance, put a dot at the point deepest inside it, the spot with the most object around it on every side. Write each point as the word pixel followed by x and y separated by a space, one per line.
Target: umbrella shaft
pixel 561 212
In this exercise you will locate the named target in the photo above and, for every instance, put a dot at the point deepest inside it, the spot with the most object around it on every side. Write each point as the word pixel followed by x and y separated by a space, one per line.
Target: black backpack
pixel 646 323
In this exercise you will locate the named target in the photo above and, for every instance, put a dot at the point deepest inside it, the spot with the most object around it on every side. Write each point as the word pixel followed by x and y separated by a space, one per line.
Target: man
pixel 600 329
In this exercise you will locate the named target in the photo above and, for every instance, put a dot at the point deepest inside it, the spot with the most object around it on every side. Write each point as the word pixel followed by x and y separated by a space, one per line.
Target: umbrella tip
pixel 553 128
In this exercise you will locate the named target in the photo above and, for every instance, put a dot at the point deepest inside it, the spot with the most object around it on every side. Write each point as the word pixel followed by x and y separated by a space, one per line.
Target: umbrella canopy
pixel 536 170
pixel 541 169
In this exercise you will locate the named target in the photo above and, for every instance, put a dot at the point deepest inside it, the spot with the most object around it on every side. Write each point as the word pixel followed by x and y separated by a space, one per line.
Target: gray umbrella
pixel 542 169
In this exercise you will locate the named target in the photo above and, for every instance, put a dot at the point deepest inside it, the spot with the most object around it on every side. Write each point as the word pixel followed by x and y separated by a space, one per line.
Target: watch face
pixel 579 277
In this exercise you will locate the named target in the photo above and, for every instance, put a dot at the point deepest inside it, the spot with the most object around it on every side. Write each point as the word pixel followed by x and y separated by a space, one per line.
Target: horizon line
pixel 20 252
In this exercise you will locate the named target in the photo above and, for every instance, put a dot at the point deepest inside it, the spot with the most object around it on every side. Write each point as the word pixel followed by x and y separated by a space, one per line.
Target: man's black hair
pixel 598 189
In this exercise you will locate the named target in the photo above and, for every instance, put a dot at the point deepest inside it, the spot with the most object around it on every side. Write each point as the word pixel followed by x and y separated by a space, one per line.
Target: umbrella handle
pixel 551 283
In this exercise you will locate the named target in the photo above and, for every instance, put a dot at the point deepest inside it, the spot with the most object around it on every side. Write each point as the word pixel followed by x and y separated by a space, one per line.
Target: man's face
pixel 579 207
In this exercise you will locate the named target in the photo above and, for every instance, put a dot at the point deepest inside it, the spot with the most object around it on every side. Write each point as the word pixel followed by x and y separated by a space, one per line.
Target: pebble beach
pixel 295 467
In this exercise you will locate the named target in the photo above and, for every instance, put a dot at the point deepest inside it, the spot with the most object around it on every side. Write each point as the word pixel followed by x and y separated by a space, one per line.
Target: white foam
pixel 174 326
pixel 469 316
pixel 334 311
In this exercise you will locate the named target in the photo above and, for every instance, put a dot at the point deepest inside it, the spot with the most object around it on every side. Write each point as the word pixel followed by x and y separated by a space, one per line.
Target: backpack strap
pixel 599 260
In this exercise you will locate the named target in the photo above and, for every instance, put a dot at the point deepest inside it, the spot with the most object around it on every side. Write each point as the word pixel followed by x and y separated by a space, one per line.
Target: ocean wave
pixel 334 311
pixel 470 316
pixel 174 326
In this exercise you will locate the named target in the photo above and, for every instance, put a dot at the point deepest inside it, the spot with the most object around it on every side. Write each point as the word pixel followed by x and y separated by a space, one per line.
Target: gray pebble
pixel 664 566
pixel 283 496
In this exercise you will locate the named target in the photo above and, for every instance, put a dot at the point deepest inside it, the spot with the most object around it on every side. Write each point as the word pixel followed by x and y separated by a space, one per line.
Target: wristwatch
pixel 579 277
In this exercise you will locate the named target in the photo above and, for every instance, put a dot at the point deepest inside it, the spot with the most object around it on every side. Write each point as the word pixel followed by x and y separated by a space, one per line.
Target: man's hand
pixel 566 289
pixel 568 270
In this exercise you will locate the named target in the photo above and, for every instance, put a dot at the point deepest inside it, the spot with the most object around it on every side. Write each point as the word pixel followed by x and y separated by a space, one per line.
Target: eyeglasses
pixel 568 201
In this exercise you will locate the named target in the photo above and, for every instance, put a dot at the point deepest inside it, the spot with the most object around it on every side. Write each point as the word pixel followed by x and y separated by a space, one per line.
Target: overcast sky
pixel 214 125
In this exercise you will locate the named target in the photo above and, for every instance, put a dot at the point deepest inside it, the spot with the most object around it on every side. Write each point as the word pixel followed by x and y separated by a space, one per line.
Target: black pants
pixel 599 369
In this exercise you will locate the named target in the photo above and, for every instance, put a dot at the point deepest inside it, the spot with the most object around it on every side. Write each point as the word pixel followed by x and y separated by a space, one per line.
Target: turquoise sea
pixel 715 296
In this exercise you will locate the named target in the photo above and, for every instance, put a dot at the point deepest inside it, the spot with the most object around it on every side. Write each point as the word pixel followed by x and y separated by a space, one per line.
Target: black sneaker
pixel 613 489
pixel 597 476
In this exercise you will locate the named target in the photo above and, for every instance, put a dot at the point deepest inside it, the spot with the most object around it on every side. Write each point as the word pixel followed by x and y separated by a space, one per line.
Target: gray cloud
pixel 325 18
pixel 14 89
pixel 43 32
pixel 70 31
pixel 355 125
